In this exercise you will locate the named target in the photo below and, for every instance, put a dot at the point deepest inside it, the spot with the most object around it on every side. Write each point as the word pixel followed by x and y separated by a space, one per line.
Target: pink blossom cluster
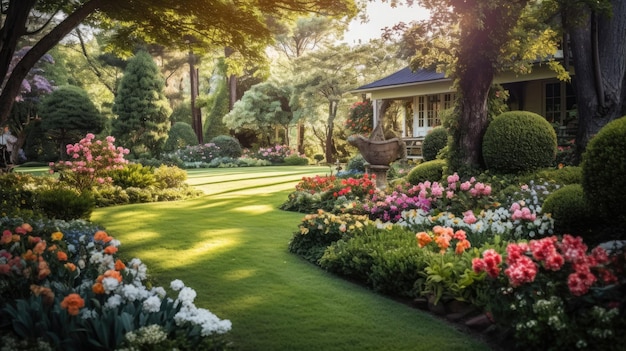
pixel 389 208
pixel 92 159
pixel 471 186
pixel 274 154
pixel 520 212
pixel 525 259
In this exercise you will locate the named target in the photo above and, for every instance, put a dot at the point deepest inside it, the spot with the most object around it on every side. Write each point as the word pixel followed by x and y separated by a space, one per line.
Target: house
pixel 423 94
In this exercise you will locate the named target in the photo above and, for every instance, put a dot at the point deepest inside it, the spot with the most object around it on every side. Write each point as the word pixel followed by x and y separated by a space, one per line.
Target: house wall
pixel 533 96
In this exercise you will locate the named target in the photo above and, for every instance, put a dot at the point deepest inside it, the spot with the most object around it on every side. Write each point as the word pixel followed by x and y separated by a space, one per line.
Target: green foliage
pixel 388 260
pixel 569 210
pixel 67 114
pixel 296 160
pixel 434 141
pixel 133 175
pixel 105 196
pixel 228 146
pixel 604 167
pixel 169 177
pixel 64 203
pixel 317 231
pixel 427 171
pixel 519 141
pixel 180 135
pixel 357 163
pixel 564 176
pixel 142 110
pixel 318 157
pixel 15 193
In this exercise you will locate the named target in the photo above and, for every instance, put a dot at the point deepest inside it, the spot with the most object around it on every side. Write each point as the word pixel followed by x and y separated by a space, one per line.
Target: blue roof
pixel 402 77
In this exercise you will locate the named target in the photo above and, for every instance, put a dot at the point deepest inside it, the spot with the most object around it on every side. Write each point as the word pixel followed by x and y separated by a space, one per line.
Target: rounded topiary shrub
pixel 434 141
pixel 519 141
pixel 604 167
pixel 429 170
pixel 569 210
pixel 229 146
pixel 180 135
pixel 563 176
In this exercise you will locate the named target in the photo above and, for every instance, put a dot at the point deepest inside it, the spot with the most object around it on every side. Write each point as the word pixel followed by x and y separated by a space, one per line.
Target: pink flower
pixel 522 271
pixel 465 186
pixel 468 217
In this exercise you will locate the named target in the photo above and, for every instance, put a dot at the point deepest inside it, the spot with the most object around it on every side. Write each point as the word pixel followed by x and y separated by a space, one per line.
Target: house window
pixel 433 110
pixel 560 103
pixel 421 110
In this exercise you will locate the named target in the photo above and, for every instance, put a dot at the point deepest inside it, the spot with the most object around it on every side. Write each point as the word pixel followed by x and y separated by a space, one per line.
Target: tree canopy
pixel 240 25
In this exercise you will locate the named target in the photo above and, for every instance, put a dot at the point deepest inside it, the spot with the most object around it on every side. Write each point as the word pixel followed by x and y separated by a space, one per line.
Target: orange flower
pixel 62 256
pixel 73 303
pixel 101 235
pixel 52 248
pixel 27 227
pixel 110 250
pixel 16 238
pixel 461 246
pixel 443 241
pixel 44 269
pixel 110 274
pixel 423 239
pixel 46 293
pixel 40 247
pixel 70 266
pixel 56 236
pixel 97 288
pixel 29 255
pixel 119 265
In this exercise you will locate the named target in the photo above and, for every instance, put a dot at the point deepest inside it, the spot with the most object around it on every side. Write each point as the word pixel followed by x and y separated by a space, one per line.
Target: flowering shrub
pixel 360 118
pixel 204 153
pixel 90 162
pixel 554 293
pixel 85 296
pixel 317 231
pixel 274 154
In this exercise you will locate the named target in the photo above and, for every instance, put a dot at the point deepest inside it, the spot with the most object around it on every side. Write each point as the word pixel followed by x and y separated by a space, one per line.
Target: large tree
pixel 142 110
pixel 596 30
pixel 239 25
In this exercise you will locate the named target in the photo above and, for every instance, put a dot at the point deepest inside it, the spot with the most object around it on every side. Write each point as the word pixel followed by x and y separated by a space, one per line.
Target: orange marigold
pixel 110 250
pixel 119 265
pixel 27 227
pixel 43 268
pixel 70 266
pixel 73 303
pixel 423 239
pixel 61 256
pixel 461 246
pixel 101 235
pixel 40 247
pixel 98 288
pixel 56 236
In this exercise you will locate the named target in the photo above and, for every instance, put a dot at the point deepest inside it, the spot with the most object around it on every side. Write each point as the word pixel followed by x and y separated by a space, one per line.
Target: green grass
pixel 231 247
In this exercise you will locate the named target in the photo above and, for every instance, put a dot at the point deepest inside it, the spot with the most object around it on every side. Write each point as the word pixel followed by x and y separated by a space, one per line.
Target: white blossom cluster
pixel 189 313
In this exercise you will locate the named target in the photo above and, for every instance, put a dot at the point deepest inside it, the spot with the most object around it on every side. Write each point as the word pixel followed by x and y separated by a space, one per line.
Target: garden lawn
pixel 231 247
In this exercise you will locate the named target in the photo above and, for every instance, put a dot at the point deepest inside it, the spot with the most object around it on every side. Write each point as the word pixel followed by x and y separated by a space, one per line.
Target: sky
pixel 381 15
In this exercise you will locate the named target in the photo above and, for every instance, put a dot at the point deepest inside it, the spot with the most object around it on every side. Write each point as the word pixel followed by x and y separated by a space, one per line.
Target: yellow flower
pixel 56 236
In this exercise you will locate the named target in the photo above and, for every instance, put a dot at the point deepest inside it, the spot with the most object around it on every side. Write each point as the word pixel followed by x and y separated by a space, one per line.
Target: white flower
pixel 159 291
pixel 177 284
pixel 131 292
pixel 152 304
pixel 113 301
pixel 209 322
pixel 110 284
pixel 186 296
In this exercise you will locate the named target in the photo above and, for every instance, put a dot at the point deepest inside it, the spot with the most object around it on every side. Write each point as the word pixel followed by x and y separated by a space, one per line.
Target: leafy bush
pixel 427 171
pixel 169 177
pixel 356 163
pixel 318 231
pixel 133 175
pixel 64 203
pixel 274 154
pixel 386 259
pixel 318 157
pixel 564 176
pixel 569 210
pixel 228 146
pixel 296 160
pixel 139 195
pixel 604 167
pixel 180 135
pixel 434 141
pixel 519 141
pixel 110 195
pixel 15 193
pixel 198 153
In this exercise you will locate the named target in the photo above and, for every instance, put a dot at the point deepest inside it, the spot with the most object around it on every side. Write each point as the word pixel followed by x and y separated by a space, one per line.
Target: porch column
pixel 375 107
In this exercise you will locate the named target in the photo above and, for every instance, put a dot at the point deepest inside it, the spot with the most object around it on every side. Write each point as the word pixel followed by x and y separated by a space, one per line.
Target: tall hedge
pixel 604 171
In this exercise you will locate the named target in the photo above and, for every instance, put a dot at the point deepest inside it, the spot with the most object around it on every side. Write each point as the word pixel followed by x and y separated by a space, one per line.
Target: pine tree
pixel 142 110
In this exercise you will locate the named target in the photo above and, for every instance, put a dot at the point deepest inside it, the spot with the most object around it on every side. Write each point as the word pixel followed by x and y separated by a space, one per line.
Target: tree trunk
pixel 600 71
pixel 12 86
pixel 300 140
pixel 332 113
pixel 13 29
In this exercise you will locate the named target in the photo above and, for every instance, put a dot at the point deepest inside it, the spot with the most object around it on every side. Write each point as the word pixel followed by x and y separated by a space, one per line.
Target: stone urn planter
pixel 378 153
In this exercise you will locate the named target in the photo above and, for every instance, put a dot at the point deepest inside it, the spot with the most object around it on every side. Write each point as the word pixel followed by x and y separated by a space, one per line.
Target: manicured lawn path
pixel 231 247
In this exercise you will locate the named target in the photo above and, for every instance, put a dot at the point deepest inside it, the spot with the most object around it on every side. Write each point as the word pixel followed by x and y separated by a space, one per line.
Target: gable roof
pixel 404 76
